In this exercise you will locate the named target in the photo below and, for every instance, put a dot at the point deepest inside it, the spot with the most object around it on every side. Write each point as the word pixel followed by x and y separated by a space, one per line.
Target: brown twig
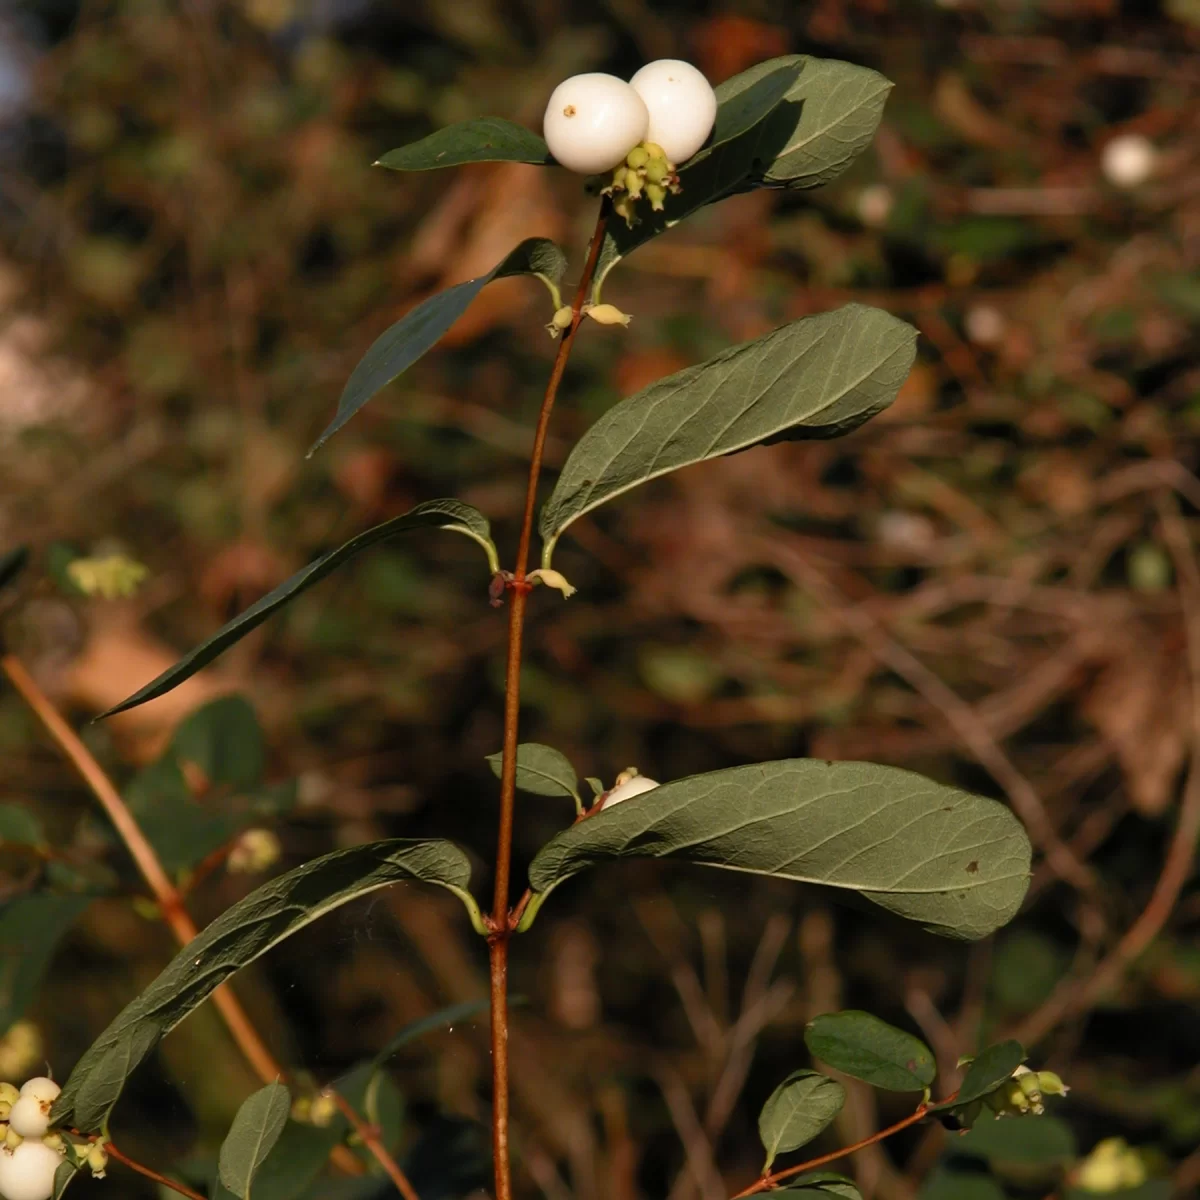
pixel 767 1182
pixel 370 1139
pixel 1074 996
pixel 502 923
pixel 166 895
pixel 150 1173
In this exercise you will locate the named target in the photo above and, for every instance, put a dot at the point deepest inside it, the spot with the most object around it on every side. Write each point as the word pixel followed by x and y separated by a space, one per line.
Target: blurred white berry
pixel 629 783
pixel 593 121
pixel 874 205
pixel 1129 160
pixel 254 851
pixel 682 106
pixel 27 1173
pixel 985 325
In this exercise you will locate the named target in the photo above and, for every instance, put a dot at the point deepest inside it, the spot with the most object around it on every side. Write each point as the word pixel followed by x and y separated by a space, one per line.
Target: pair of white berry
pixel 27 1168
pixel 594 120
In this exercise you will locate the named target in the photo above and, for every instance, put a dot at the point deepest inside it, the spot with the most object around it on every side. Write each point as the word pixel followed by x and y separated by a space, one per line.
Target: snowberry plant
pixel 655 150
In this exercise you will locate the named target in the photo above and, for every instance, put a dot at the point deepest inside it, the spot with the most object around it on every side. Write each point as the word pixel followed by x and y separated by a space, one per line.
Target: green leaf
pixel 986 1073
pixel 859 1044
pixel 957 863
pixel 796 1111
pixel 225 741
pixel 64 1173
pixel 31 927
pixel 822 1185
pixel 12 563
pixel 418 331
pixel 18 825
pixel 296 1159
pixel 484 139
pixel 417 1029
pixel 825 118
pixel 452 515
pixel 255 1129
pixel 820 377
pixel 241 934
pixel 541 770
pixel 828 118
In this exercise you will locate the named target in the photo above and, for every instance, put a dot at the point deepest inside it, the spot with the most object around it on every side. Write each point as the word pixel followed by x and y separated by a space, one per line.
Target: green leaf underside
pixel 861 1045
pixel 244 932
pixel 541 770
pixel 255 1130
pixel 451 515
pixel 296 1159
pixel 64 1173
pixel 797 1110
pixel 822 1185
pixel 819 377
pixel 418 331
pixel 483 139
pixel 951 1184
pixel 986 1073
pixel 956 863
pixel 12 563
pixel 825 119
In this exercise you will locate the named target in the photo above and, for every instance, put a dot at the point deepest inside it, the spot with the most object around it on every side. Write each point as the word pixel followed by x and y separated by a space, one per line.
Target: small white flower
pixel 682 106
pixel 593 121
pixel 1128 160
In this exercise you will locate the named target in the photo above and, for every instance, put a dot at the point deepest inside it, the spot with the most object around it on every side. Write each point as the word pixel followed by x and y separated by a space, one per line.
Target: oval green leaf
pixel 423 1025
pixel 986 1073
pixel 452 515
pixel 796 1111
pixel 241 934
pixel 1040 1143
pixel 31 926
pixel 820 377
pixel 861 1045
pixel 418 331
pixel 484 139
pixel 956 863
pixel 64 1173
pixel 953 1183
pixel 255 1130
pixel 297 1158
pixel 541 770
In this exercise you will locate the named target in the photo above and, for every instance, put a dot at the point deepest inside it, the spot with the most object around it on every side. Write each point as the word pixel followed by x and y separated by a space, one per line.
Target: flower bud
pixel 561 321
pixel 324 1109
pixel 656 194
pixel 97 1160
pixel 551 578
pixel 607 314
pixel 1051 1084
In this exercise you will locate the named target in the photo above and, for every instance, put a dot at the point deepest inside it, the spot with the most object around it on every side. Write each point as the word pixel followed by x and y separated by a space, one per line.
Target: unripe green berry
pixel 1051 1084
pixel 654 150
pixel 56 1142
pixel 619 175
pixel 637 158
pixel 12 1139
pixel 657 195
pixel 608 314
pixel 9 1092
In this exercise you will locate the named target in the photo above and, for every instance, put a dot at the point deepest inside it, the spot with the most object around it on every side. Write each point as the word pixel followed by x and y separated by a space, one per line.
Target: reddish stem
pixel 518 591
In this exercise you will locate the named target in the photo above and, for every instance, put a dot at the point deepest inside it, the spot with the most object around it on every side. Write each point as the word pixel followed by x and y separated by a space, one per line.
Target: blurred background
pixel 991 583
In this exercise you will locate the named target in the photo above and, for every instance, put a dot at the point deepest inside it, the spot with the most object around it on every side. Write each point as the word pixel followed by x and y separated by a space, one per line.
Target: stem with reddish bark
pixel 501 923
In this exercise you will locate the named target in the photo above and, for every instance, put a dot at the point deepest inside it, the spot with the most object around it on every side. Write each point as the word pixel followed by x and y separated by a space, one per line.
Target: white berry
pixel 30 1115
pixel 633 785
pixel 28 1172
pixel 593 121
pixel 1128 161
pixel 682 106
